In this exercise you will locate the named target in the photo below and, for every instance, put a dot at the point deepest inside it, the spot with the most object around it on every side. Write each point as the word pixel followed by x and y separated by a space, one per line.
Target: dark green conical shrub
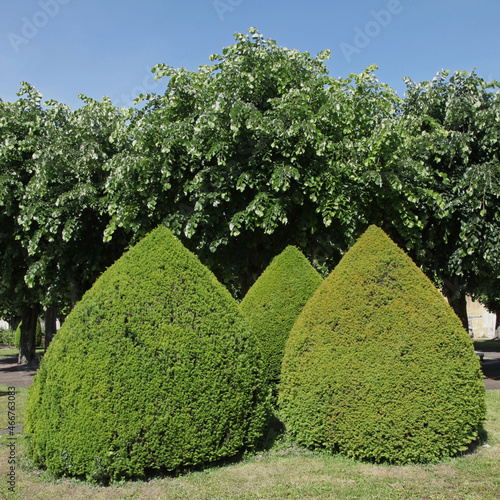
pixel 378 366
pixel 17 336
pixel 38 335
pixel 274 302
pixel 153 370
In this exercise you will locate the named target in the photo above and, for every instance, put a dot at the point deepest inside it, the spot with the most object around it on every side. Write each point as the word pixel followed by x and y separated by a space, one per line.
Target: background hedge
pixel 154 369
pixel 378 366
pixel 274 302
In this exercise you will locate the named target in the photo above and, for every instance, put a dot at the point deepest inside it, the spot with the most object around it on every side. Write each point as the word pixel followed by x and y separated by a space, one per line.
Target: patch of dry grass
pixel 286 472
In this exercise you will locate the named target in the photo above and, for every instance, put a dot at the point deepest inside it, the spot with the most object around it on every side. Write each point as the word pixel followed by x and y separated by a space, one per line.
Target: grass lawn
pixel 285 471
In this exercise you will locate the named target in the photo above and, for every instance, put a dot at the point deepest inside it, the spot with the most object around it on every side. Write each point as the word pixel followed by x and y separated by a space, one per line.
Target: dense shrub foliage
pixel 153 370
pixel 7 337
pixel 274 302
pixel 378 366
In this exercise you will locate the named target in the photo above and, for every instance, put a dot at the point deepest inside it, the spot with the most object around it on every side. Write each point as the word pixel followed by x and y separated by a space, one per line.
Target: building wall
pixel 482 323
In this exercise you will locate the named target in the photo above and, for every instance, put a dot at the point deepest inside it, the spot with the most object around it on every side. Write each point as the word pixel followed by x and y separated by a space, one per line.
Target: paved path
pixel 12 374
pixel 15 375
pixel 491 370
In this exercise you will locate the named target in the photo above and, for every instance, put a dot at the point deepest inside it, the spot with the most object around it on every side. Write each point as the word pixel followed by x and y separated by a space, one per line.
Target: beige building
pixel 482 323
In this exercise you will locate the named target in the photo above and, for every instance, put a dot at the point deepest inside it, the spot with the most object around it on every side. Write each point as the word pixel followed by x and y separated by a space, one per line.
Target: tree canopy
pixel 255 151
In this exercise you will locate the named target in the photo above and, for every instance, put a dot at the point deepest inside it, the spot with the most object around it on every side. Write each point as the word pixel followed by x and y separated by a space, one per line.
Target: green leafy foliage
pixel 378 366
pixel 63 210
pixel 7 337
pixel 452 136
pixel 38 335
pixel 274 302
pixel 154 369
pixel 259 149
pixel 20 125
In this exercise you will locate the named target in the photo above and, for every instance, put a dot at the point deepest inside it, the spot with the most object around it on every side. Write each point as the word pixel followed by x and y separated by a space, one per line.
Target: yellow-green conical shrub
pixel 153 370
pixel 274 302
pixel 378 366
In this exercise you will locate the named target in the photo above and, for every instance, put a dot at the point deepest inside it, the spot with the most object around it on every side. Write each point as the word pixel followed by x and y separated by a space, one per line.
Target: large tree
pixel 20 129
pixel 453 137
pixel 53 207
pixel 257 151
pixel 63 210
pixel 248 155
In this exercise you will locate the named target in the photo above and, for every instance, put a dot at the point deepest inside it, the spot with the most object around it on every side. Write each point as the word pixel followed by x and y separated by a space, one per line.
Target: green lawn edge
pixel 284 471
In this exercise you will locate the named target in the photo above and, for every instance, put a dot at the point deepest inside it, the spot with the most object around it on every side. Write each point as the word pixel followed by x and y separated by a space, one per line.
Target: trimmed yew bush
pixel 378 366
pixel 153 370
pixel 274 302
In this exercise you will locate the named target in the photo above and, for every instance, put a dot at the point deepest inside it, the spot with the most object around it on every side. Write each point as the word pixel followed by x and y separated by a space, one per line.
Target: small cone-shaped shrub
pixel 153 370
pixel 274 302
pixel 17 336
pixel 38 335
pixel 378 366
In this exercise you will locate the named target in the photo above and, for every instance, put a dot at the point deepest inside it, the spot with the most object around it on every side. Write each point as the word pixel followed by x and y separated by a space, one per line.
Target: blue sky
pixel 107 48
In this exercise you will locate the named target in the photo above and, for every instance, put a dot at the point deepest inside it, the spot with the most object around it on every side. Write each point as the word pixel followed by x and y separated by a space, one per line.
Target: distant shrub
pixel 153 370
pixel 274 302
pixel 7 337
pixel 17 337
pixel 378 366
pixel 38 335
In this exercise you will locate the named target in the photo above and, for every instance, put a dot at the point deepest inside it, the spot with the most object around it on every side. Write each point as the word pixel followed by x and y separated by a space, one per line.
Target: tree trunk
pixel 27 347
pixel 457 300
pixel 14 324
pixel 75 293
pixel 50 325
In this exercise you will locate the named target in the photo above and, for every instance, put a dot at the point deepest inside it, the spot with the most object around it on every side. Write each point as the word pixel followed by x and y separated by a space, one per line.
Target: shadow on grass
pixel 274 431
pixel 473 447
pixel 491 369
